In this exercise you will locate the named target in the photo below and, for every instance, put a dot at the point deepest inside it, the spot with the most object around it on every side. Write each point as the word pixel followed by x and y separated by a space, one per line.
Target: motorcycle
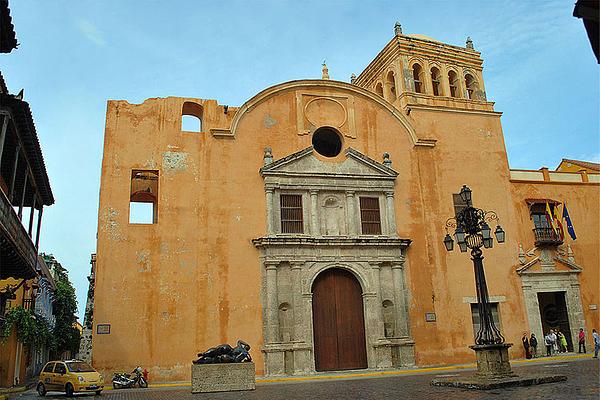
pixel 123 380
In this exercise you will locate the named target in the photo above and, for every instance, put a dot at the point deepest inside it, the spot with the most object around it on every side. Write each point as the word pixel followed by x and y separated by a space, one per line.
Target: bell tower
pixel 416 69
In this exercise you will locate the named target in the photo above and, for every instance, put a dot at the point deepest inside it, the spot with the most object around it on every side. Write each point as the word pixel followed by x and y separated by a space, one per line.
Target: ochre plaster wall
pixel 192 281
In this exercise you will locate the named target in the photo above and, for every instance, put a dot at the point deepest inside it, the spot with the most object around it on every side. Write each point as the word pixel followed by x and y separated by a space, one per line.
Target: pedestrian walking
pixel 581 340
pixel 525 341
pixel 596 342
pixel 563 342
pixel 533 344
pixel 548 342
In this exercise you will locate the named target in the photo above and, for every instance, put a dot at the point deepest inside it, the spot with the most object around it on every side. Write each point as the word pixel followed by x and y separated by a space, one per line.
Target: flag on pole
pixel 549 218
pixel 558 225
pixel 567 218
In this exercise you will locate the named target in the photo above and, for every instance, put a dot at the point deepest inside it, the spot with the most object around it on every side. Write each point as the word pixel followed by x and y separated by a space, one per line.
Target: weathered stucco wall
pixel 193 280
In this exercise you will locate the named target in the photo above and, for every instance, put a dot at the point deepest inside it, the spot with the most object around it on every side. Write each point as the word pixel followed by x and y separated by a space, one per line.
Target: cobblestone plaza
pixel 583 383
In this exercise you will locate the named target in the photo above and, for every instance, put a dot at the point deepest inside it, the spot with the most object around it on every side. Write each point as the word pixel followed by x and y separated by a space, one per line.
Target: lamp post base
pixel 492 361
pixel 494 371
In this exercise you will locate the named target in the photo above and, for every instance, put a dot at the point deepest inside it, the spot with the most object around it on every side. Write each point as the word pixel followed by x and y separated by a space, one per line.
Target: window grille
pixel 291 213
pixel 369 216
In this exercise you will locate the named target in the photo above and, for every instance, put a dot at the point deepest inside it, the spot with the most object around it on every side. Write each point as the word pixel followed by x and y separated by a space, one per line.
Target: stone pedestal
pixel 494 371
pixel 223 377
pixel 492 361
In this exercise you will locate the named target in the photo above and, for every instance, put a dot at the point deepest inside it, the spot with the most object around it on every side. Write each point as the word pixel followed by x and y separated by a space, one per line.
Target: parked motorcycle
pixel 123 380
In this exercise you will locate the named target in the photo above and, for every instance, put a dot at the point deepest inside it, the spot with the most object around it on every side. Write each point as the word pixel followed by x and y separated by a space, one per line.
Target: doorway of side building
pixel 553 310
pixel 338 321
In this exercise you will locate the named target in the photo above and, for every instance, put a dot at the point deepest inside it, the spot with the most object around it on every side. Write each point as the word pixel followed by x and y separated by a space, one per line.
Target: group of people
pixel 556 342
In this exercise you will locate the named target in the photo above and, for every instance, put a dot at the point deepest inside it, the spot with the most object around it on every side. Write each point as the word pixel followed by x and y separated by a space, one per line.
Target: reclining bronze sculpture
pixel 224 353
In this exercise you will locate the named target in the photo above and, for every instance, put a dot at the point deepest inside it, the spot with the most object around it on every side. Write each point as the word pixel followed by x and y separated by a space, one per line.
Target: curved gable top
pixel 328 84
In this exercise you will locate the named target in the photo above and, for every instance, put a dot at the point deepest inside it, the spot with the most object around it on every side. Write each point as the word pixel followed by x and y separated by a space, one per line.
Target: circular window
pixel 327 142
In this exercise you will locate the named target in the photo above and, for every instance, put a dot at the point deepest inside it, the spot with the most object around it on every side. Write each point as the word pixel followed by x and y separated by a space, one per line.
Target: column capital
pixel 271 265
pixel 350 193
pixel 397 265
pixel 389 193
pixel 313 192
pixel 297 264
pixel 269 189
pixel 375 264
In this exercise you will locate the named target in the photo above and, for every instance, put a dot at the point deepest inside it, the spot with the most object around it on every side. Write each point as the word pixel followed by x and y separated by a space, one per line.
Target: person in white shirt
pixel 548 342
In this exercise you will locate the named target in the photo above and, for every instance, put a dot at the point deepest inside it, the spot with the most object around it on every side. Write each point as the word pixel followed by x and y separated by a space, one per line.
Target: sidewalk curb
pixel 381 373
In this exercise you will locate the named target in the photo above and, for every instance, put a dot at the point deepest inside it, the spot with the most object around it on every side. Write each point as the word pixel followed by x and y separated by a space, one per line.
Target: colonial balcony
pixel 18 254
pixel 545 237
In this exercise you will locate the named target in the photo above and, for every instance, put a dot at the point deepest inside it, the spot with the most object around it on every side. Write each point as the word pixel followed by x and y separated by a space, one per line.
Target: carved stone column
pixel 402 328
pixel 299 334
pixel 314 213
pixel 391 213
pixel 272 322
pixel 270 206
pixel 378 301
pixel 352 225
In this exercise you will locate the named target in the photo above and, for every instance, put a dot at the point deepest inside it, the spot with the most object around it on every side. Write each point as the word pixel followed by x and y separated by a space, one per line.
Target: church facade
pixel 309 222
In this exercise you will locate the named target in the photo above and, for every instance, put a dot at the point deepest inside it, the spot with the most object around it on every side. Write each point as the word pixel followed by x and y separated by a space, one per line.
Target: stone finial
pixel 353 79
pixel 570 255
pixel 469 43
pixel 386 160
pixel 397 29
pixel 521 255
pixel 268 157
pixel 325 71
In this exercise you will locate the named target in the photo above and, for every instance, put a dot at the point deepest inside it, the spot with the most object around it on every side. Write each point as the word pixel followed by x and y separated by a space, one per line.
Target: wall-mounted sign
pixel 593 307
pixel 103 329
pixel 430 317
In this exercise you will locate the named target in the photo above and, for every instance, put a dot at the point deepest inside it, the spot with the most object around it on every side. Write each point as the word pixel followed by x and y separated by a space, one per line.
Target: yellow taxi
pixel 69 376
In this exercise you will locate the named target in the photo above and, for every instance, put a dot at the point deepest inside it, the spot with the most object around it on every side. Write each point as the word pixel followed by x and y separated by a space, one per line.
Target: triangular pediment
pixel 305 163
pixel 560 265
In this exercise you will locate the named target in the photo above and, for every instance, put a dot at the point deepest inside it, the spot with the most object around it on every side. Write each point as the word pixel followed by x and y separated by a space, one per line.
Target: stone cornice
pixel 326 241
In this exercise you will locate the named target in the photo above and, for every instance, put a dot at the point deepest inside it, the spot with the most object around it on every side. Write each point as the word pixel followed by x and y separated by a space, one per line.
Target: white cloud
pixel 91 32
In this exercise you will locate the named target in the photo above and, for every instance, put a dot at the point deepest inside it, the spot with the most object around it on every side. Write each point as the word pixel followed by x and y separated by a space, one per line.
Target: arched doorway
pixel 338 321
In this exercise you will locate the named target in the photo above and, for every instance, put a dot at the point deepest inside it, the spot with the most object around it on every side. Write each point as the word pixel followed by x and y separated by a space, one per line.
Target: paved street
pixel 583 383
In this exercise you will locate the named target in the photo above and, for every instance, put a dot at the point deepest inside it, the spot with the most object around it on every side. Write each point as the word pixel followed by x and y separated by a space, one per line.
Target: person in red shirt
pixel 581 340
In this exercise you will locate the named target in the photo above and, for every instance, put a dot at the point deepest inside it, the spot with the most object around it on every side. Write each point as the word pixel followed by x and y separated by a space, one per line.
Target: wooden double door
pixel 338 322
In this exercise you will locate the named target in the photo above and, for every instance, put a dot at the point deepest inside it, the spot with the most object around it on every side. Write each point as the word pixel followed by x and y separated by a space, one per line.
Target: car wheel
pixel 69 389
pixel 98 392
pixel 41 389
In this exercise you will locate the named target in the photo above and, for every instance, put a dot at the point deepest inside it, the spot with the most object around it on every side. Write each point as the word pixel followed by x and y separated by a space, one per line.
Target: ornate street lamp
pixel 472 231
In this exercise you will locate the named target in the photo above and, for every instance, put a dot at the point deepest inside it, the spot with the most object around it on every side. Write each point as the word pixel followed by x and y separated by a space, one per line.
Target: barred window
pixel 291 213
pixel 369 216
pixel 477 321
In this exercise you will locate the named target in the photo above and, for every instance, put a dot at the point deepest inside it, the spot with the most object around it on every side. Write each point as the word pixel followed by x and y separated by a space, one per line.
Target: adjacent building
pixel 24 191
pixel 310 221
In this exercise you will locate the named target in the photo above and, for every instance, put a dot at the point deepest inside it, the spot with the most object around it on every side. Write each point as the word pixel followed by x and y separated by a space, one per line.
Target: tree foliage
pixel 32 330
pixel 65 305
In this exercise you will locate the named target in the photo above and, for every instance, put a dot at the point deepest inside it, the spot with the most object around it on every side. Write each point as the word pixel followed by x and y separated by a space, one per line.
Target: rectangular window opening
pixel 291 213
pixel 459 204
pixel 369 216
pixel 143 197
pixel 476 320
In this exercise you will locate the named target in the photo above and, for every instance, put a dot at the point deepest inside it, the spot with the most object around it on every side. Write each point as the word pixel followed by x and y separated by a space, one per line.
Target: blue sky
pixel 75 55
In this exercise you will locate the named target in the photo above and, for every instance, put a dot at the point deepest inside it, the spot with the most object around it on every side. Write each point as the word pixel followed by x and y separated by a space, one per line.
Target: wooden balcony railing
pixel 546 237
pixel 15 236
